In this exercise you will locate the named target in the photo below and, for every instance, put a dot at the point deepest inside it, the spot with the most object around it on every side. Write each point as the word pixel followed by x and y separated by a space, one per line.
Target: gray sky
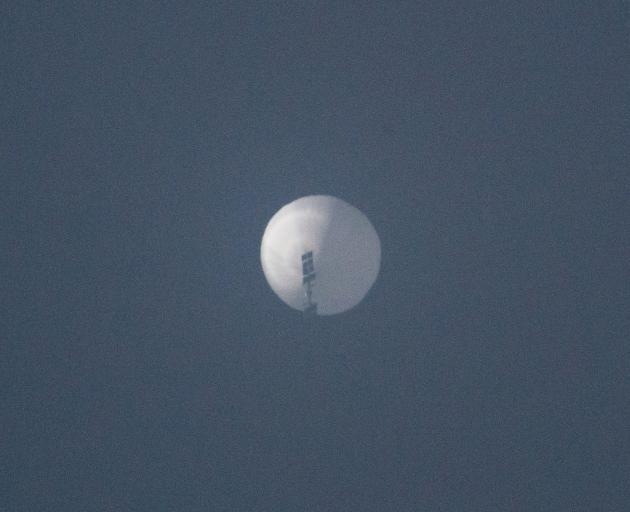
pixel 147 366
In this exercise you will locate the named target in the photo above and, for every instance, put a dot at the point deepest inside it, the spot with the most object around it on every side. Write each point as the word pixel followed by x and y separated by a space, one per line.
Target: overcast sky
pixel 146 365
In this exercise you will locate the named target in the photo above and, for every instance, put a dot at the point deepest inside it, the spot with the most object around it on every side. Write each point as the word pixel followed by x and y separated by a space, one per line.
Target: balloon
pixel 320 254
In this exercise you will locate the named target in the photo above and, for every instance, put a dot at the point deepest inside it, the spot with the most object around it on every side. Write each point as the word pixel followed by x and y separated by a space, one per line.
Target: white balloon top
pixel 346 254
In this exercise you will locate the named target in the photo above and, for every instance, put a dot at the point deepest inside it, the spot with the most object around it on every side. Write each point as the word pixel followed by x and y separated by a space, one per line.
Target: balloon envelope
pixel 346 253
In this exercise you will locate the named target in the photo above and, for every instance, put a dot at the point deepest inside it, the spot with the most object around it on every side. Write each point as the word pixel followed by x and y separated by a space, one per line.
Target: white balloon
pixel 346 253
